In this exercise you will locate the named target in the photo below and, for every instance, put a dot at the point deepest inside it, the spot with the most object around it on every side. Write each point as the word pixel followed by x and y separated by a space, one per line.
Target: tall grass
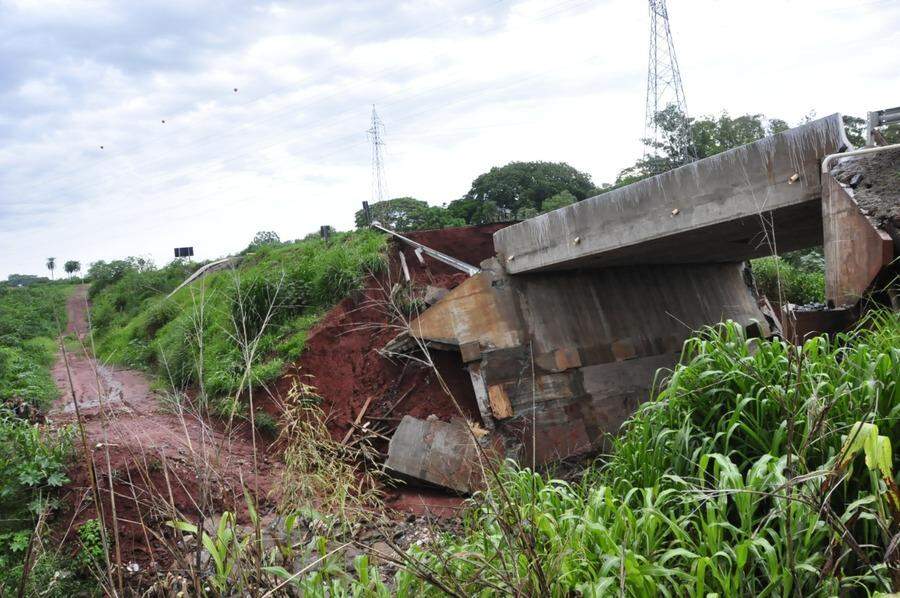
pixel 33 456
pixel 229 334
pixel 789 280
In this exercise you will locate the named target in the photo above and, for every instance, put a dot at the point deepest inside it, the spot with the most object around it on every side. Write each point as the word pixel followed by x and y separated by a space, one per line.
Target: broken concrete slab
pixel 565 330
pixel 441 453
pixel 706 211
pixel 574 353
pixel 475 311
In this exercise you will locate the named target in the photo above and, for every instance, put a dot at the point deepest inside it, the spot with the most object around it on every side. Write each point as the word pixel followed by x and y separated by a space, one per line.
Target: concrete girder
pixel 729 207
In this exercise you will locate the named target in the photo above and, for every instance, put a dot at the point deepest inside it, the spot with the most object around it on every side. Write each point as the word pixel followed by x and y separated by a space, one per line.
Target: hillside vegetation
pixel 756 468
pixel 255 315
pixel 33 457
pixel 759 469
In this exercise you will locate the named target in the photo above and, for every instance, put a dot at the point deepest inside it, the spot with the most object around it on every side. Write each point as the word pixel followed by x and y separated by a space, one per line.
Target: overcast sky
pixel 89 170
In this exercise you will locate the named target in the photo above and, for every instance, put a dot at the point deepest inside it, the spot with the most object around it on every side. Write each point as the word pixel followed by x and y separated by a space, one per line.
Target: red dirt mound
pixel 342 351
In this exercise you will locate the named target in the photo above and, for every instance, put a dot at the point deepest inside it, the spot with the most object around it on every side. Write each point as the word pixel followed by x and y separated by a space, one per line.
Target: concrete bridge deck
pixel 736 205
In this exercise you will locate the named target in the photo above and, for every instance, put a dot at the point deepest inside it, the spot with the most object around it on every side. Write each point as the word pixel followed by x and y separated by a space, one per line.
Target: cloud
pixel 462 85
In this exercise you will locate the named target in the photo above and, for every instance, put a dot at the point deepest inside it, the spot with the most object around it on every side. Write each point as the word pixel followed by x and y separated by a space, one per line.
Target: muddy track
pixel 152 455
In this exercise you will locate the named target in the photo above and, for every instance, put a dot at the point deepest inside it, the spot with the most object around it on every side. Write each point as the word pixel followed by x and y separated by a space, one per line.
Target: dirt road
pixel 152 452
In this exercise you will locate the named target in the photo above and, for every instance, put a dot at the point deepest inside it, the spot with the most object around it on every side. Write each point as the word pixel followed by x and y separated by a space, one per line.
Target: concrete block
pixel 470 351
pixel 437 452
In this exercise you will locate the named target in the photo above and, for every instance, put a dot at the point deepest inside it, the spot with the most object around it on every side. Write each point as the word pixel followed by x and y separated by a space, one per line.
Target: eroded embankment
pixel 343 362
pixel 156 457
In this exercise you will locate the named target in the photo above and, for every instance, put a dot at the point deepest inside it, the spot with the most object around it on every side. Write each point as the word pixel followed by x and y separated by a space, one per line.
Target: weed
pixel 266 424
pixel 798 284
pixel 90 557
pixel 320 472
pixel 136 325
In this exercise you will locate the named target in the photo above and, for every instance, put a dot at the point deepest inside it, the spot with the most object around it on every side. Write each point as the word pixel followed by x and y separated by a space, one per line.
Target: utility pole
pixel 664 87
pixel 376 135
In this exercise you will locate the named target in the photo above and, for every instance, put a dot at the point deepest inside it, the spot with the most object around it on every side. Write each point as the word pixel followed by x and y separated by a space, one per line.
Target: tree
pixel 522 185
pixel 72 266
pixel 473 211
pixel 526 213
pixel 102 274
pixel 856 131
pixel 560 200
pixel 51 265
pixel 407 213
pixel 709 136
pixel 855 128
pixel 264 238
pixel 24 280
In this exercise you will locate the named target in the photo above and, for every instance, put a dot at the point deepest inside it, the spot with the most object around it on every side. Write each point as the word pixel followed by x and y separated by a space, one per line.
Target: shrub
pixel 33 463
pixel 265 423
pixel 91 557
pixel 797 285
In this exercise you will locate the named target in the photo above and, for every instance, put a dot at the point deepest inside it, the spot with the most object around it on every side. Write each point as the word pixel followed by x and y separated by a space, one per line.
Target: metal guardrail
pixel 441 257
pixel 200 272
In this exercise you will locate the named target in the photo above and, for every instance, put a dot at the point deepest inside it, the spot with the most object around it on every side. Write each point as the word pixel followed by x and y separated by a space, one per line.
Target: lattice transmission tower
pixel 664 87
pixel 376 136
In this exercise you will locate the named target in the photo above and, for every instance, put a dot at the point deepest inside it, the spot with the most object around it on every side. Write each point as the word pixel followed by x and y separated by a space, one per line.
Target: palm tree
pixel 51 264
pixel 71 267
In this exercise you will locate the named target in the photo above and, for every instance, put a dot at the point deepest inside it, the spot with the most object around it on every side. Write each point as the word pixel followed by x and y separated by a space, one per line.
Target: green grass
pixel 196 337
pixel 29 317
pixel 33 457
pixel 800 283
pixel 693 499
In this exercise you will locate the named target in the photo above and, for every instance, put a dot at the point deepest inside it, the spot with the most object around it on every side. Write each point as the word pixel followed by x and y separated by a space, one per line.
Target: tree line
pixel 71 267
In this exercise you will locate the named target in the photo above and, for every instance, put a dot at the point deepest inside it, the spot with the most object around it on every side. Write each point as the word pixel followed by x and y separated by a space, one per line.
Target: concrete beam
pixel 728 207
pixel 856 251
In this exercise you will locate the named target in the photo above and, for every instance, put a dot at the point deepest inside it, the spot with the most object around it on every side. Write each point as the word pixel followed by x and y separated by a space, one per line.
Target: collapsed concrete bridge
pixel 563 331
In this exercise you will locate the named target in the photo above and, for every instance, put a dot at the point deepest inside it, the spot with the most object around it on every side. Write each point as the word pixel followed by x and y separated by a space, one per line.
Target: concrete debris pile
pixel 358 385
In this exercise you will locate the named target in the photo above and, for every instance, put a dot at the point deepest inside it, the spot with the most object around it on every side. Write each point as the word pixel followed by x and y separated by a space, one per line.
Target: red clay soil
pixel 342 358
pixel 129 434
